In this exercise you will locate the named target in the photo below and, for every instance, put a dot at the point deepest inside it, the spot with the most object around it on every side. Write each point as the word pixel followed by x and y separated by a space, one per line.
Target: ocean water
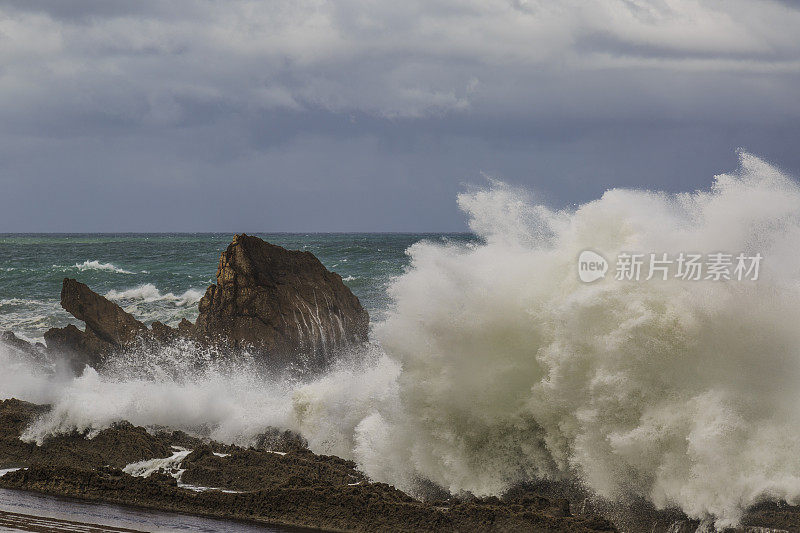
pixel 491 362
pixel 163 276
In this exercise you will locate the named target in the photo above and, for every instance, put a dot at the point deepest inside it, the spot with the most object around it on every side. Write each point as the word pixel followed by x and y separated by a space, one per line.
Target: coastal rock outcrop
pixel 108 321
pixel 283 306
pixel 108 327
pixel 280 303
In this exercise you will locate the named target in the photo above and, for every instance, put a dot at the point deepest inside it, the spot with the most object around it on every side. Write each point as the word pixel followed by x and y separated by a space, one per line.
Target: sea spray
pixel 681 392
pixel 497 365
pixel 182 386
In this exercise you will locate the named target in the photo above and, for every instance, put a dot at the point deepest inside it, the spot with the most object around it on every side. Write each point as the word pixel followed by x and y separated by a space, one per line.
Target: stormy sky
pixel 371 115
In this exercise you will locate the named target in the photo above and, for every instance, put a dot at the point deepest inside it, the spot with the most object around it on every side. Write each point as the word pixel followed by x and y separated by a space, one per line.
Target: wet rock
pixel 276 440
pixel 299 488
pixel 279 303
pixel 116 446
pixel 32 352
pixel 78 348
pixel 163 333
pixel 283 306
pixel 105 319
pixel 185 328
pixel 8 337
pixel 108 327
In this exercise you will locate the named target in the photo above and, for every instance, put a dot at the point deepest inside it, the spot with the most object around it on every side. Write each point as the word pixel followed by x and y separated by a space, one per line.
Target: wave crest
pixel 97 265
pixel 148 293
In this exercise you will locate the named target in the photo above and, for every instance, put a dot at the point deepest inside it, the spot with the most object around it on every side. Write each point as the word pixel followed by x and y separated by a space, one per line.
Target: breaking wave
pixel 148 293
pixel 97 265
pixel 497 365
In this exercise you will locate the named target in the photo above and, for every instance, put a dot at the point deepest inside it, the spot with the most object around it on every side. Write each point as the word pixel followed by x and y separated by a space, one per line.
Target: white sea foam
pixel 148 293
pixel 498 365
pixel 182 386
pixel 169 465
pixel 97 265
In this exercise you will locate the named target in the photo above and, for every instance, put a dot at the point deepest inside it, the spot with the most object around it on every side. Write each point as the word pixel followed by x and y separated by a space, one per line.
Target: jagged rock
pixel 280 303
pixel 185 328
pixel 8 337
pixel 103 317
pixel 108 327
pixel 163 333
pixel 78 348
pixel 33 352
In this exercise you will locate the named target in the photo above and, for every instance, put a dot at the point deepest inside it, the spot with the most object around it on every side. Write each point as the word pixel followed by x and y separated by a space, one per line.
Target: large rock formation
pixel 108 326
pixel 105 319
pixel 280 303
pixel 283 306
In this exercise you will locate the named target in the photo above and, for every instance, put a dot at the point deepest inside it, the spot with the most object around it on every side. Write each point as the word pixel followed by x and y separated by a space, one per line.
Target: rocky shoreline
pixel 288 485
pixel 281 482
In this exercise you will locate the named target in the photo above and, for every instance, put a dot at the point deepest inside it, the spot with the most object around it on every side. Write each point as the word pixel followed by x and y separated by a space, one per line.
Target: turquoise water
pixel 163 276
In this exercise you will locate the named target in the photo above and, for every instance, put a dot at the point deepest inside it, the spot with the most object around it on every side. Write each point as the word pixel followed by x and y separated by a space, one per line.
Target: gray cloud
pixel 203 115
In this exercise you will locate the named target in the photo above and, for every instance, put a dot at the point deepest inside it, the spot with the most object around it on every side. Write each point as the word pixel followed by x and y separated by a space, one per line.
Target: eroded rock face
pixel 108 327
pixel 103 317
pixel 280 303
pixel 78 348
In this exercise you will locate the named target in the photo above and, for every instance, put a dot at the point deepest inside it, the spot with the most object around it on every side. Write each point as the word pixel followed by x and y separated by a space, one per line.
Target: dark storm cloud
pixel 204 115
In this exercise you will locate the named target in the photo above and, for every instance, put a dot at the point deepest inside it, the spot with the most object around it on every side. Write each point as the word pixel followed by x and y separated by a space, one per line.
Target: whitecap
pixel 97 265
pixel 149 293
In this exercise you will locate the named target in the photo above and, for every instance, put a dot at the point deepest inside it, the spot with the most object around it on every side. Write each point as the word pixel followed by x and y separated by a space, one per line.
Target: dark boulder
pixel 280 303
pixel 78 348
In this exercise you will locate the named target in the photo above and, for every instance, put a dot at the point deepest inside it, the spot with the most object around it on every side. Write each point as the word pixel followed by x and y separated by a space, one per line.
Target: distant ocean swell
pixel 495 364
